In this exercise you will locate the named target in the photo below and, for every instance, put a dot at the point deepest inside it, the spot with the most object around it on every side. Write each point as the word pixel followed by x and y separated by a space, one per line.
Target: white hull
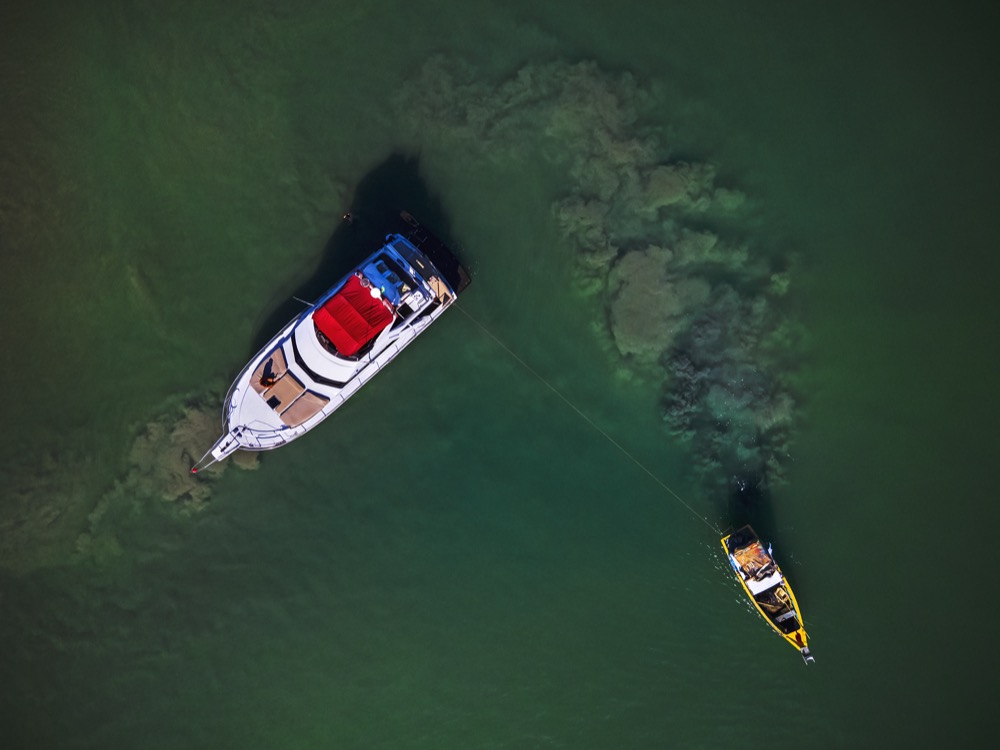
pixel 249 421
pixel 300 377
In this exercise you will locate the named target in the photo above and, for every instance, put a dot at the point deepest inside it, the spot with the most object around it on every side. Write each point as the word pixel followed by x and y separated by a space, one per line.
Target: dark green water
pixel 457 560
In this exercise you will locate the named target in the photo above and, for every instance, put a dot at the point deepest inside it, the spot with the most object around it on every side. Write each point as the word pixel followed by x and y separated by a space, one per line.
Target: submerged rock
pixel 675 293
pixel 164 452
pixel 60 508
pixel 648 305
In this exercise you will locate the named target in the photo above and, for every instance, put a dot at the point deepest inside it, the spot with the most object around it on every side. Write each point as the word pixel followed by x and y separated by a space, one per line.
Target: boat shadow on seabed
pixel 748 501
pixel 393 186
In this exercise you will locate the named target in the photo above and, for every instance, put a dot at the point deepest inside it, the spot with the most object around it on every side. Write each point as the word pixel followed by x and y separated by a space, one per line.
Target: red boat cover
pixel 352 317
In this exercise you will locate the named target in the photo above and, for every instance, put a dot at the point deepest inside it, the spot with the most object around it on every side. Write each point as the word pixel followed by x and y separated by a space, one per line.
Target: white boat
pixel 326 353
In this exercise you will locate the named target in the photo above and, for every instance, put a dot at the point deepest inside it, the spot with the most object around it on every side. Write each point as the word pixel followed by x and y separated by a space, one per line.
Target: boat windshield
pixel 389 277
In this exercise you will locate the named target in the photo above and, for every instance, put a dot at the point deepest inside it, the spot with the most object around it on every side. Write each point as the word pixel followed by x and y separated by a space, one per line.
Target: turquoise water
pixel 457 559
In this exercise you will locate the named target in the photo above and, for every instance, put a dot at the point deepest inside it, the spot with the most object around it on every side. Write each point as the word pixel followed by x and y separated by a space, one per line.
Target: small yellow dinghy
pixel 766 586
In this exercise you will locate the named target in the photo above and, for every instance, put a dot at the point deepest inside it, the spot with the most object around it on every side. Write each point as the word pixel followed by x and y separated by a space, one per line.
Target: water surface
pixel 458 559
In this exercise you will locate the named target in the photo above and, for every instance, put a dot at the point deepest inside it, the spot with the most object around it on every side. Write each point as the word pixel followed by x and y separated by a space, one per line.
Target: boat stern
pixel 807 657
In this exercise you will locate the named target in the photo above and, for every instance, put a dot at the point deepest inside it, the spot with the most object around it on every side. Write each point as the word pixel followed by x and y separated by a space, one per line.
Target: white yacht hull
pixel 246 416
pixel 300 377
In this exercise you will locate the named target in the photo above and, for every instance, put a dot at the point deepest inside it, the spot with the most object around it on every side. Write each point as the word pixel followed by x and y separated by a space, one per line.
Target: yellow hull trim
pixel 790 637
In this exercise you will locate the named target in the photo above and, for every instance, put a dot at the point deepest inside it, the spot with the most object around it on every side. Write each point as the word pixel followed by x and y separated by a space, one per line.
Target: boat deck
pixel 770 593
pixel 283 392
pixel 308 370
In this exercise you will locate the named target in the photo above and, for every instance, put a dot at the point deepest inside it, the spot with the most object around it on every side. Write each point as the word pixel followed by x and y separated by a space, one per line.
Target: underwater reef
pixel 683 291
pixel 51 515
pixel 686 295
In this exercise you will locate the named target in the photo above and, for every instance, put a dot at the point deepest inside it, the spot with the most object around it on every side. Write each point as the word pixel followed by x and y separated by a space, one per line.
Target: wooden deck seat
pixel 274 365
pixel 281 395
pixel 304 407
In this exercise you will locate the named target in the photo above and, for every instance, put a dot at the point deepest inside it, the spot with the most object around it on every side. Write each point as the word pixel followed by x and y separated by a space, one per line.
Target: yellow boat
pixel 764 583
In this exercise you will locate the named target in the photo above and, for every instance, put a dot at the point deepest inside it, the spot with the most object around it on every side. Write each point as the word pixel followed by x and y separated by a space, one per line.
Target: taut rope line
pixel 589 421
